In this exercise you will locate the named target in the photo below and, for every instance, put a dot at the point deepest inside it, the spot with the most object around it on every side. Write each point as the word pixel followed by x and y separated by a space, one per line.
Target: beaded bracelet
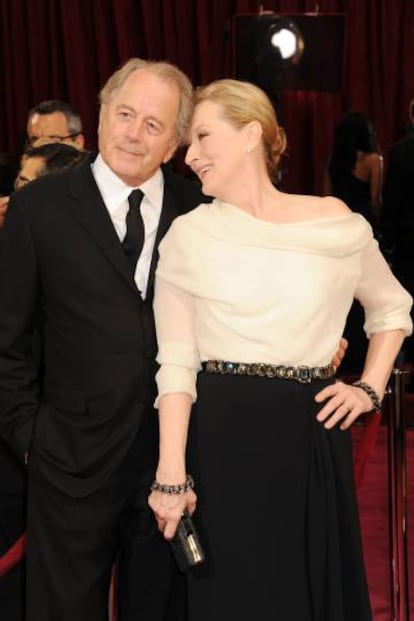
pixel 174 489
pixel 375 400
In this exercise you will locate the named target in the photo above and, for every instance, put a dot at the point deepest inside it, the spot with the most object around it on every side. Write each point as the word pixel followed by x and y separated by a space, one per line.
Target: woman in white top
pixel 251 299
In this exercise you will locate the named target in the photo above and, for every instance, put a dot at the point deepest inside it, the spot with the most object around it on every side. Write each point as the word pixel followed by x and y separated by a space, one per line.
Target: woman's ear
pixel 253 135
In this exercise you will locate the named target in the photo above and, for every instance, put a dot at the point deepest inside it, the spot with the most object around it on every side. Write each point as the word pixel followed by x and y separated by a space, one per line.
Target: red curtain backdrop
pixel 67 48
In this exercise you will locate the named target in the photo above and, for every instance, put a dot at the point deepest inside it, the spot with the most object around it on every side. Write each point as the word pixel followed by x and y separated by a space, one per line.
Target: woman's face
pixel 216 150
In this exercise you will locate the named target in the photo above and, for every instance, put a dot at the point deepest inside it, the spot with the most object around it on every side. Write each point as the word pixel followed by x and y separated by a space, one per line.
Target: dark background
pixel 67 48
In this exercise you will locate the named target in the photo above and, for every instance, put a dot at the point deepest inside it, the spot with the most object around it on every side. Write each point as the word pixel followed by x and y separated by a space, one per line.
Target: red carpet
pixel 373 505
pixel 13 555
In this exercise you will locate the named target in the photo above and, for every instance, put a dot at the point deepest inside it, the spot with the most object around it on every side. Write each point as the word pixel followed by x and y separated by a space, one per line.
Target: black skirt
pixel 277 510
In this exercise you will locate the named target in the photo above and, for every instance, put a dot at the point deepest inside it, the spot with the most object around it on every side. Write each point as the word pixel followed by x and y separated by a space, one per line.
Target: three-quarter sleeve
pixel 174 309
pixel 386 303
pixel 177 350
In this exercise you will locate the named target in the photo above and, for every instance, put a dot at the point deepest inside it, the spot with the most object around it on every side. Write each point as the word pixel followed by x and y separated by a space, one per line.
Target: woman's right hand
pixel 168 509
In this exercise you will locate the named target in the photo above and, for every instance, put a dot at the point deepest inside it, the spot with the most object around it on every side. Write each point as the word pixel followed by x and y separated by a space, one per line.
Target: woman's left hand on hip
pixel 343 403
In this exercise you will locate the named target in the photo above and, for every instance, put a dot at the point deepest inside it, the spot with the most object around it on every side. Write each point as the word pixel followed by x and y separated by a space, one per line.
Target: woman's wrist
pixel 375 397
pixel 175 488
pixel 171 474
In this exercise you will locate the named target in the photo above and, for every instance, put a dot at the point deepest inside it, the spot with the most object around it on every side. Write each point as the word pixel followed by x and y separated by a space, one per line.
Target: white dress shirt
pixel 115 196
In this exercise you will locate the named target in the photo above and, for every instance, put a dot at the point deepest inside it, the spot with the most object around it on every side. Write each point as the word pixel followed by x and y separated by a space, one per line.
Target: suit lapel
pixel 92 214
pixel 168 213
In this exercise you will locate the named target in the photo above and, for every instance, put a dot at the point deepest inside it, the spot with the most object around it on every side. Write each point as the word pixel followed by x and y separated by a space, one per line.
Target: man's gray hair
pixel 164 70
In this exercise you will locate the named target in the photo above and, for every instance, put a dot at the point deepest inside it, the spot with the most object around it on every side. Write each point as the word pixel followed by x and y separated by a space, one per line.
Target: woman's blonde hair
pixel 165 71
pixel 243 102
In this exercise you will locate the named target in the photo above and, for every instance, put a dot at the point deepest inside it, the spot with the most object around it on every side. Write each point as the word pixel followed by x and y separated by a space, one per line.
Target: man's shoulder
pixel 186 192
pixel 405 145
pixel 401 160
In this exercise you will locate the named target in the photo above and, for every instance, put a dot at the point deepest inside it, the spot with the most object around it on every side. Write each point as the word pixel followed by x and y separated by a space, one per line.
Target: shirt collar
pixel 114 191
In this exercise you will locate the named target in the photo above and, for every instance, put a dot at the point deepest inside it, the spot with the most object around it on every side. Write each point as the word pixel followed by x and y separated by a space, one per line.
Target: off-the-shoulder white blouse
pixel 230 286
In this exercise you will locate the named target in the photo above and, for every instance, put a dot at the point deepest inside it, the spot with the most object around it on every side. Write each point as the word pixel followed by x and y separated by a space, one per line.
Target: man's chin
pixel 131 175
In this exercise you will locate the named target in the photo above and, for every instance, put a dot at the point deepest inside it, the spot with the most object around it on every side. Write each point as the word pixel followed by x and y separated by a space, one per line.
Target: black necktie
pixel 135 232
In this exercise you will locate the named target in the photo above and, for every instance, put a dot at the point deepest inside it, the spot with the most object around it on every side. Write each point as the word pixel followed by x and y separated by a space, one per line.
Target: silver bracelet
pixel 182 488
pixel 375 400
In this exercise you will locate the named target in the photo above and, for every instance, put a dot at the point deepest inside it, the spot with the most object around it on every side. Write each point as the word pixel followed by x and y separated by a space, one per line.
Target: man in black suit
pixel 398 218
pixel 81 255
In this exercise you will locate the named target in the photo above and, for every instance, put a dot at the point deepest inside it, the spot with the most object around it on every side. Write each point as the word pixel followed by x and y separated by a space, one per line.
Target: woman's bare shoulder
pixel 322 206
pixel 373 160
pixel 332 206
pixel 374 156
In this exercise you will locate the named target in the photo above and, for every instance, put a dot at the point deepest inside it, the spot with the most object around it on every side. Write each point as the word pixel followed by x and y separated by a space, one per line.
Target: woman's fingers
pixel 344 416
pixel 343 402
pixel 168 509
pixel 170 528
pixel 340 354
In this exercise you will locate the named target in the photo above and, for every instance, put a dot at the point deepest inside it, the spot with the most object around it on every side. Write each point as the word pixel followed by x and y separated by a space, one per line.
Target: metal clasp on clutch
pixel 186 546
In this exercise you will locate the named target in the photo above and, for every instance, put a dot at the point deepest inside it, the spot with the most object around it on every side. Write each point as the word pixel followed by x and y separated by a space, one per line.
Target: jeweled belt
pixel 301 374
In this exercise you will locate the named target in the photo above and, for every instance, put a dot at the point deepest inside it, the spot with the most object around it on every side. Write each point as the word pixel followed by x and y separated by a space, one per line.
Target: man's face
pixel 137 126
pixel 43 128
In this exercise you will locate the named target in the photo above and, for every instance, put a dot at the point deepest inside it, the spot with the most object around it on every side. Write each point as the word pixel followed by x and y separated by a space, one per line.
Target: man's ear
pixel 171 150
pixel 102 111
pixel 79 142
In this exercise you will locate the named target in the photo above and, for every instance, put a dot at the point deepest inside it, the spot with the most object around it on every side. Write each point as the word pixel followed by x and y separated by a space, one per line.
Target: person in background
pixel 355 167
pixel 49 121
pixel 398 218
pixel 408 128
pixel 42 160
pixel 411 113
pixel 354 175
pixel 252 293
pixel 53 120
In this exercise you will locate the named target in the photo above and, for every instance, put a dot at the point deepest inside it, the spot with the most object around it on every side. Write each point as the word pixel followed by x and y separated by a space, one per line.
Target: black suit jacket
pixel 62 260
pixel 398 209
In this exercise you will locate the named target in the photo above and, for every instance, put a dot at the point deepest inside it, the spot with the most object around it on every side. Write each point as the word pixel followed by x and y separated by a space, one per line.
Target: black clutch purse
pixel 186 546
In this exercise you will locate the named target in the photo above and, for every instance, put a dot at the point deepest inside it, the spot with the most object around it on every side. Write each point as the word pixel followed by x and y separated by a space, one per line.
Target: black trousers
pixel 74 542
